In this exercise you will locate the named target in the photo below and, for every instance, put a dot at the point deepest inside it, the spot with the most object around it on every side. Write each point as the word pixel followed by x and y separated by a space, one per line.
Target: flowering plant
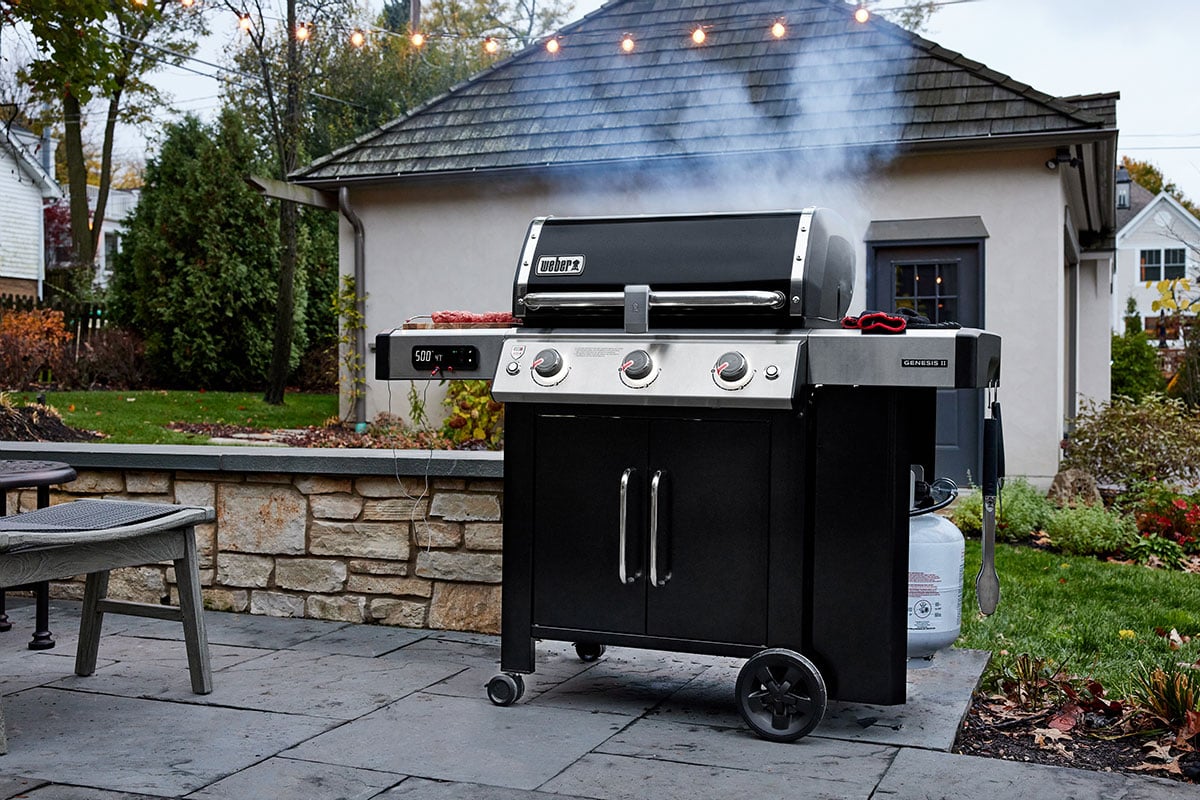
pixel 1161 511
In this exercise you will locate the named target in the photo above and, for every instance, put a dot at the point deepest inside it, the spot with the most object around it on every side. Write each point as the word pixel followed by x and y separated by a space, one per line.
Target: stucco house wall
pixel 441 246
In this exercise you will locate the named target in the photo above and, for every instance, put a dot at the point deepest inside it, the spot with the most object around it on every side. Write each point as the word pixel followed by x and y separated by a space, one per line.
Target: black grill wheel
pixel 781 695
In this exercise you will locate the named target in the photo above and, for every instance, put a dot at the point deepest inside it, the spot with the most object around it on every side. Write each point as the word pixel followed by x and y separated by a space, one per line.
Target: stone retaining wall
pixel 346 543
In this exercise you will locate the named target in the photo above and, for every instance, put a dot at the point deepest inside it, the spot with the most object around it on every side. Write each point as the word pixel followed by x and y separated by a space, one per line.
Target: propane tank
pixel 935 571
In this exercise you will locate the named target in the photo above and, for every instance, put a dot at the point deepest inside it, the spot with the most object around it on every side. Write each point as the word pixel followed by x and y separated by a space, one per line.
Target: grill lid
pixel 782 269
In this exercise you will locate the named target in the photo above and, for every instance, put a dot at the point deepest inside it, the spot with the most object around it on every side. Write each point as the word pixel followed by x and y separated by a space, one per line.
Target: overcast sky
pixel 1145 49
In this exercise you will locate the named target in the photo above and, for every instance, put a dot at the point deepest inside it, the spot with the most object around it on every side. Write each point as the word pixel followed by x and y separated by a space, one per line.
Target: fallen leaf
pixel 1157 751
pixel 1043 735
pixel 1171 767
pixel 1067 718
pixel 1174 640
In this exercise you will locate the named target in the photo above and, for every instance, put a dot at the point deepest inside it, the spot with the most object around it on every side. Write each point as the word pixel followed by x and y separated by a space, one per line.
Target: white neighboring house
pixel 26 182
pixel 1157 239
pixel 121 203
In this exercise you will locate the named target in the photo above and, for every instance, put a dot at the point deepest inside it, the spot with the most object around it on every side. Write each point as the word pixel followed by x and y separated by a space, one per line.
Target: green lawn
pixel 1098 619
pixel 139 417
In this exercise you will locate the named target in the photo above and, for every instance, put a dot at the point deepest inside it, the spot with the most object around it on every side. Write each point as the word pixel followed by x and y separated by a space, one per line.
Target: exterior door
pixel 943 283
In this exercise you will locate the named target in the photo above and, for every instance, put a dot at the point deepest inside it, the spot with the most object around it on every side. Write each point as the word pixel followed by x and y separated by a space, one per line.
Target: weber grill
pixel 699 458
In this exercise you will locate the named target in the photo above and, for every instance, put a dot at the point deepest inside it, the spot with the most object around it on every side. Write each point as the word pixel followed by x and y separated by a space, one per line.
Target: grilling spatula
pixel 987 582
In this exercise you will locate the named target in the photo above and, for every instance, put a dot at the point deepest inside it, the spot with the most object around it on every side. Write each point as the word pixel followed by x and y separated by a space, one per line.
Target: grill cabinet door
pixel 713 506
pixel 576 523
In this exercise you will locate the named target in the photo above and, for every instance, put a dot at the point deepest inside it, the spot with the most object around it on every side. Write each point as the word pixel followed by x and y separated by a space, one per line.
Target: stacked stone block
pixel 408 551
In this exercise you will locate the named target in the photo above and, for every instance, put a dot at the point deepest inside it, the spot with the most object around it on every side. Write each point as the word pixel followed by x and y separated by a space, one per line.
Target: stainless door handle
pixel 655 484
pixel 621 573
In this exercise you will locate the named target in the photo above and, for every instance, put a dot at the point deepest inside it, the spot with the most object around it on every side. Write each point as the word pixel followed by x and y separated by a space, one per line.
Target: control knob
pixel 637 365
pixel 547 363
pixel 731 367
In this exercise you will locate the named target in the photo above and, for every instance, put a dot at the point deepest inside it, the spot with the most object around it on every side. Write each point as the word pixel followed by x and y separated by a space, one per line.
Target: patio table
pixel 40 475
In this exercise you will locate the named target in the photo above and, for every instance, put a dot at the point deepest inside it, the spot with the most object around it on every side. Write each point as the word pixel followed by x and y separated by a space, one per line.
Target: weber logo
pixel 918 363
pixel 560 265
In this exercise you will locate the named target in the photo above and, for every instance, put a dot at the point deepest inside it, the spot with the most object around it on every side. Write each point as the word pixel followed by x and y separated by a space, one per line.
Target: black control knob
pixel 731 367
pixel 637 365
pixel 548 363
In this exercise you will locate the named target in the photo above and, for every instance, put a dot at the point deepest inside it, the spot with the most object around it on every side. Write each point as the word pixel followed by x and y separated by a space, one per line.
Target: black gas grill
pixel 698 458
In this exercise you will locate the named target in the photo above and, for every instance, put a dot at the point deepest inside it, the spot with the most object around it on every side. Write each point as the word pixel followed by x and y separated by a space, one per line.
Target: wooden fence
pixel 83 320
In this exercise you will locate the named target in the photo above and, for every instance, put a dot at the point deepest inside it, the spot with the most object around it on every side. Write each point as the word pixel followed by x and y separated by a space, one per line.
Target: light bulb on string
pixel 627 43
pixel 698 35
pixel 417 39
pixel 244 22
pixel 491 46
pixel 187 3
pixel 861 14
pixel 358 38
pixel 778 30
pixel 552 45
pixel 303 32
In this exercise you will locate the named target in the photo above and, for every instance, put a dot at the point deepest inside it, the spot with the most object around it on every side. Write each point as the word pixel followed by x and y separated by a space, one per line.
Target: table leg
pixel 42 638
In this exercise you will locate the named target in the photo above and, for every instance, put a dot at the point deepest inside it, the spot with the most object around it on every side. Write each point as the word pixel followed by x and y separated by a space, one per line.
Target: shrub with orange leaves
pixel 32 346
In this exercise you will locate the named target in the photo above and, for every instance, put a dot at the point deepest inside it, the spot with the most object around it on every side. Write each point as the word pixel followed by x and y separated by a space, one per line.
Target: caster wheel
pixel 505 689
pixel 780 695
pixel 589 651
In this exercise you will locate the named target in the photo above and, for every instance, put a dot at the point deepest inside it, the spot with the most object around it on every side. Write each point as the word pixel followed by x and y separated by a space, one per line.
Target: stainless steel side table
pixel 40 475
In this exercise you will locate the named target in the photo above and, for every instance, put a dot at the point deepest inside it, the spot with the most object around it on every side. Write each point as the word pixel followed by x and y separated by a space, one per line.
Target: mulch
pixel 994 729
pixel 38 423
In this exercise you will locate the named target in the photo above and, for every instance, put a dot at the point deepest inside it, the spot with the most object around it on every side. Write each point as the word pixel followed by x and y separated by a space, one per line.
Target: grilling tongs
pixel 987 582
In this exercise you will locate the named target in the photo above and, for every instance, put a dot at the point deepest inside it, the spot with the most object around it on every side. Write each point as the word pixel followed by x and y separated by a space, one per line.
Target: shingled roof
pixel 829 82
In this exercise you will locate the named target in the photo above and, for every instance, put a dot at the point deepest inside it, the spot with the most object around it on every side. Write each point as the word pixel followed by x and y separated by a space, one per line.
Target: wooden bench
pixel 93 537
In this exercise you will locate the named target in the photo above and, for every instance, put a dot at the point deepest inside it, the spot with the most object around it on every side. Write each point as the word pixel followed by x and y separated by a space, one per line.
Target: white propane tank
pixel 935 581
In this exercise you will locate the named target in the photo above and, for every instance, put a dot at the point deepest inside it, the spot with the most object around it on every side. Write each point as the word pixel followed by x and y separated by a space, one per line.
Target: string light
pixel 358 38
pixel 627 43
pixel 698 35
pixel 491 46
pixel 417 39
pixel 187 3
pixel 244 22
pixel 303 31
pixel 552 45
pixel 778 30
pixel 861 14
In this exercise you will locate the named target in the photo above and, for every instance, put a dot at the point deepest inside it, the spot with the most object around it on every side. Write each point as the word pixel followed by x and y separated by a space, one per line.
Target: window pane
pixel 948 280
pixel 1151 265
pixel 1174 263
pixel 927 280
pixel 904 280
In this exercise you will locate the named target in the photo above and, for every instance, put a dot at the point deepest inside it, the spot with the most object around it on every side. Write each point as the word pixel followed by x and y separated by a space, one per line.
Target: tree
pixel 1150 178
pixel 197 277
pixel 913 15
pixel 101 50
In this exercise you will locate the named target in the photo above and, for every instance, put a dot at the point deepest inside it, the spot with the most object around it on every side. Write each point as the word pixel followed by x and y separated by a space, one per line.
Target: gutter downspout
pixel 360 283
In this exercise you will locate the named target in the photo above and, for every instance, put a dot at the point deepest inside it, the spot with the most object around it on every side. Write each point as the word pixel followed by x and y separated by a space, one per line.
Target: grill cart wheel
pixel 780 695
pixel 505 689
pixel 589 651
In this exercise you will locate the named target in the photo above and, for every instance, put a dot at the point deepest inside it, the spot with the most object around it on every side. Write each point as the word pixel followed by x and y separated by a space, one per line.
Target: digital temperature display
pixel 440 358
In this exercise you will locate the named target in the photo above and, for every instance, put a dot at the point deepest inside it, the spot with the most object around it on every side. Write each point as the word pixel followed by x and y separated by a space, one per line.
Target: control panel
pixel 682 371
